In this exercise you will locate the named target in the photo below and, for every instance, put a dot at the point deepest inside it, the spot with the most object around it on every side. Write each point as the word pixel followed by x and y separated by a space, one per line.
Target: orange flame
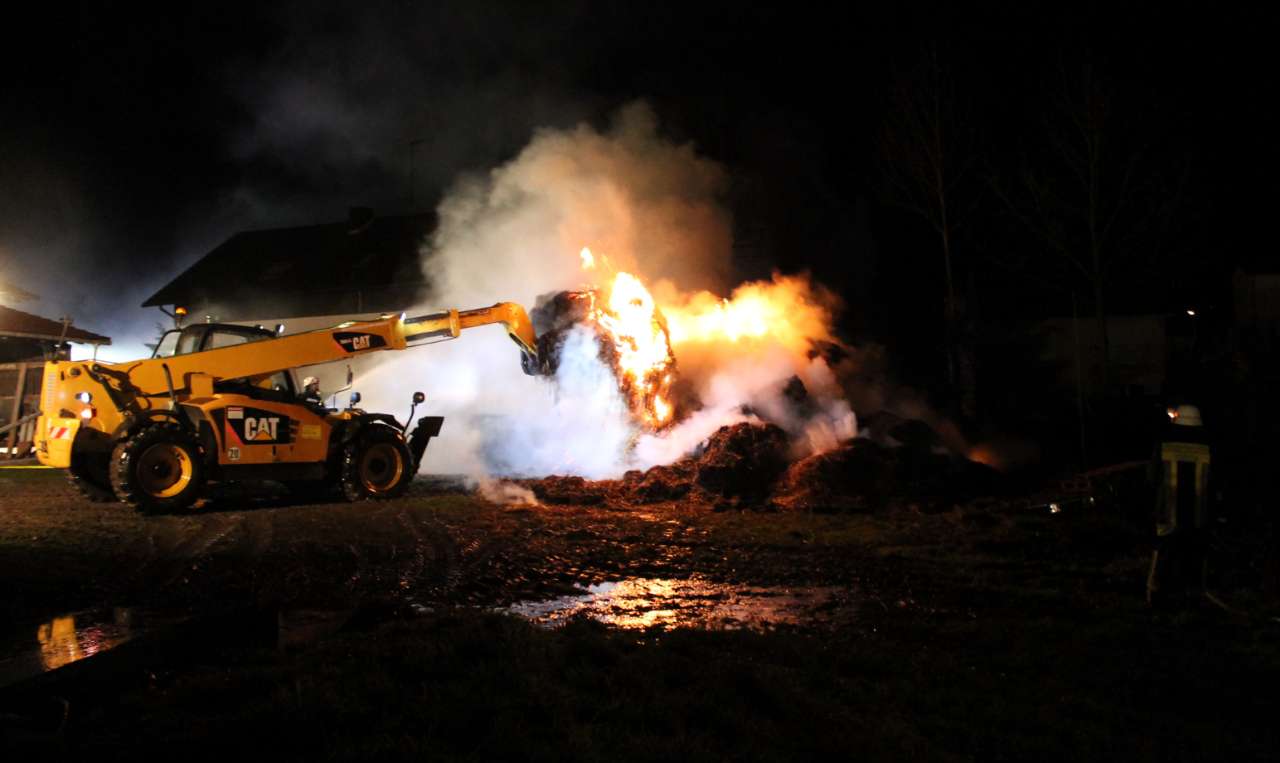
pixel 787 310
pixel 631 322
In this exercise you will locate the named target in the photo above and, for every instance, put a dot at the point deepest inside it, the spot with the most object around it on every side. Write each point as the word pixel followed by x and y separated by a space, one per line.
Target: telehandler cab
pixel 220 402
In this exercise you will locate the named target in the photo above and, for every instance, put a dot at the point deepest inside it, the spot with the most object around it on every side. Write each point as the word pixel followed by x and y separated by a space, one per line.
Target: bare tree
pixel 926 158
pixel 1088 191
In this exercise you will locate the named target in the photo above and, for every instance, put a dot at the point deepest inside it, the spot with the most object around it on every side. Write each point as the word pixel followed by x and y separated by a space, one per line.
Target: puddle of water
pixel 70 638
pixel 67 639
pixel 645 603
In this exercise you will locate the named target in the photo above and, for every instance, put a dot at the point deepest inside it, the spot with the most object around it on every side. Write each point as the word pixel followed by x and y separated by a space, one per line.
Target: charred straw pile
pixel 746 466
pixel 749 464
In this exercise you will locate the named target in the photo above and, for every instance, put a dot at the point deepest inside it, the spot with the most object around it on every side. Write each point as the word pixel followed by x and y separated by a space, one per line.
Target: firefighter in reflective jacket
pixel 1182 506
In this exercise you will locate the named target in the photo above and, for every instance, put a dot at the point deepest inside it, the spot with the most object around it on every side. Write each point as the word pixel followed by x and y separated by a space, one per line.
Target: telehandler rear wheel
pixel 377 464
pixel 158 469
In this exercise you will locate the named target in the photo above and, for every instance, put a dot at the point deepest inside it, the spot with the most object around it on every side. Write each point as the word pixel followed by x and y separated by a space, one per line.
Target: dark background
pixel 133 141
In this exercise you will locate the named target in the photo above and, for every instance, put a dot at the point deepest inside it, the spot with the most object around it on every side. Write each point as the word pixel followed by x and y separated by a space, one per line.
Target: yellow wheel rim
pixel 381 468
pixel 164 470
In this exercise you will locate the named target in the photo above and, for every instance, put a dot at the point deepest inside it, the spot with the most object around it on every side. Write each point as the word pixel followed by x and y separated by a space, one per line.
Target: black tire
pixel 158 469
pixel 89 475
pixel 376 465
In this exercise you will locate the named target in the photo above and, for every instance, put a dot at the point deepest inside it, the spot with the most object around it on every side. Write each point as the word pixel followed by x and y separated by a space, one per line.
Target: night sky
pixel 132 142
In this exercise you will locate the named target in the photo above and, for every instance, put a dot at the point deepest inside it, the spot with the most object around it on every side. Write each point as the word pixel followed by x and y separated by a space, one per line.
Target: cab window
pixel 189 342
pixel 168 344
pixel 281 382
pixel 219 339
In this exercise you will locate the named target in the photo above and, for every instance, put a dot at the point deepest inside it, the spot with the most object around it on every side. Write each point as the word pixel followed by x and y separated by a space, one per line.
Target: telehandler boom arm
pixel 153 376
pixel 137 387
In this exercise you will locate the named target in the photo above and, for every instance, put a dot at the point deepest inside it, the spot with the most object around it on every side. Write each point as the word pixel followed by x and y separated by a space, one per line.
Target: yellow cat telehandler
pixel 221 402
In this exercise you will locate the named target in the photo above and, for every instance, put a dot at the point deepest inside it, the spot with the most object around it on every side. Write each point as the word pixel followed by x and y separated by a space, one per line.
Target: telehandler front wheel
pixel 158 469
pixel 377 464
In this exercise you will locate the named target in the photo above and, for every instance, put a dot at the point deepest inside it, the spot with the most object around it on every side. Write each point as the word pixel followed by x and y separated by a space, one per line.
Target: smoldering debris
pixel 738 465
pixel 742 461
pixel 744 466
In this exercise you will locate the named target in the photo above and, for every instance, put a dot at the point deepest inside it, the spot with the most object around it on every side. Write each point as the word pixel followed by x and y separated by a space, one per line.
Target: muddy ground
pixel 989 630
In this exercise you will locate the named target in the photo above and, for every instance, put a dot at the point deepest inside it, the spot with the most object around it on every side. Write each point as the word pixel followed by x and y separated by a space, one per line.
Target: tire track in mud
pixel 456 554
pixel 436 538
pixel 424 539
pixel 373 573
pixel 260 532
pixel 173 546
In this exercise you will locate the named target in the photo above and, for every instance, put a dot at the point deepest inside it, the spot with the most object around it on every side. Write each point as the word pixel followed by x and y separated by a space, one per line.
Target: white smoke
pixel 652 207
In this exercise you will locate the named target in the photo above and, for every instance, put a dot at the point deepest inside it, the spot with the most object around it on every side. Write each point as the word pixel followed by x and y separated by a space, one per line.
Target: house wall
pixel 1139 348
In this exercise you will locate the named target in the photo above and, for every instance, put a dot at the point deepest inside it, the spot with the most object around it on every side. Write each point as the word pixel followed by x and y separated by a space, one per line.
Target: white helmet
pixel 1187 416
pixel 307 382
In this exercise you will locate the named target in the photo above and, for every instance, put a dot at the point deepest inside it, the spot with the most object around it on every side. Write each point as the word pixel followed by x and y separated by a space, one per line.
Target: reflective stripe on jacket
pixel 1184 483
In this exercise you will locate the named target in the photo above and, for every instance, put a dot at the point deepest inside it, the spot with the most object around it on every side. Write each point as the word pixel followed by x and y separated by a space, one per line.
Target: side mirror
pixel 418 397
pixel 355 398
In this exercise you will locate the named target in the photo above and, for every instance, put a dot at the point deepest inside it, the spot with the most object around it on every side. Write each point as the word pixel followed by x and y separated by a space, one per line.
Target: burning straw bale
pixel 632 338
pixel 553 317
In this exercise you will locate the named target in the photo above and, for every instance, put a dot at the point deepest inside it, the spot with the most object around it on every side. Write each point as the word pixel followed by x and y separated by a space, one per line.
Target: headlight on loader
pixel 84 397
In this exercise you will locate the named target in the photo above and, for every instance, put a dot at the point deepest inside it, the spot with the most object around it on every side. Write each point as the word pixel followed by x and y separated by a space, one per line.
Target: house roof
pixel 16 323
pixel 367 264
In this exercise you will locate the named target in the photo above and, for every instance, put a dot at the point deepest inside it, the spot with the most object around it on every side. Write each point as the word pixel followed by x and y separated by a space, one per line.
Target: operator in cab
pixel 311 392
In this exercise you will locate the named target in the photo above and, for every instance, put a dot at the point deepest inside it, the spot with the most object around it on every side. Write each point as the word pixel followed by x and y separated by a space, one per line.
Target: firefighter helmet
pixel 1187 416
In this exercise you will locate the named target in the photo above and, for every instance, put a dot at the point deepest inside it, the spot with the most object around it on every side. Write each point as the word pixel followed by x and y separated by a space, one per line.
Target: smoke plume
pixel 650 207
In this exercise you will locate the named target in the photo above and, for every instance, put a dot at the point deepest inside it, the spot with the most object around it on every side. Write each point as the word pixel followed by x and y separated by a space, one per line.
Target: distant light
pixel 1055 508
pixel 179 310
pixel 1192 313
pixel 1172 413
